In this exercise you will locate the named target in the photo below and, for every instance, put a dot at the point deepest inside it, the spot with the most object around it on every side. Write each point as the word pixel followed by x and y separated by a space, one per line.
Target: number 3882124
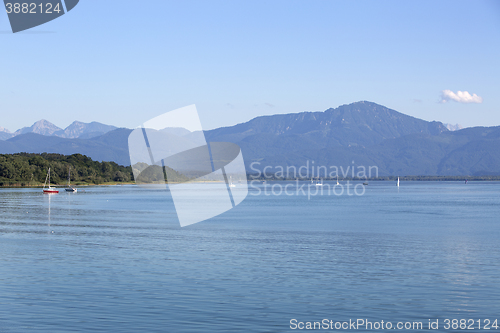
pixel 32 8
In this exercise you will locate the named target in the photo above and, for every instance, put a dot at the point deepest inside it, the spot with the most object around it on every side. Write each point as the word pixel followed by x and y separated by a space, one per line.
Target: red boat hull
pixel 50 191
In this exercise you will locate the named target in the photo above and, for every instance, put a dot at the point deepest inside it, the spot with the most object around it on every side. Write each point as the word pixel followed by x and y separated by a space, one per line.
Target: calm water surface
pixel 114 259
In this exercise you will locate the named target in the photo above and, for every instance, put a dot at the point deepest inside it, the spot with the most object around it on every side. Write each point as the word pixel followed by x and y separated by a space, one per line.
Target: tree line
pixel 27 169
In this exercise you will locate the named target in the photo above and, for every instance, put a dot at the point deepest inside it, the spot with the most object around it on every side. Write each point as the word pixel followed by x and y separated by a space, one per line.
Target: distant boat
pixel 231 182
pixel 466 181
pixel 338 180
pixel 318 183
pixel 70 188
pixel 365 183
pixel 49 190
pixel 398 181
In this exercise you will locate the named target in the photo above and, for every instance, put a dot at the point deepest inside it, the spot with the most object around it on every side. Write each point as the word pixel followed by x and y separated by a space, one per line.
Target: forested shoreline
pixel 26 169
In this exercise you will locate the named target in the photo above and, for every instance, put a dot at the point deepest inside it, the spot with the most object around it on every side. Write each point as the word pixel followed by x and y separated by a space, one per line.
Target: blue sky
pixel 122 63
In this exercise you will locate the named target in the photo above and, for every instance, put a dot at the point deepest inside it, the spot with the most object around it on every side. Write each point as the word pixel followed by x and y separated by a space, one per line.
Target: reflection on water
pixel 114 259
pixel 49 197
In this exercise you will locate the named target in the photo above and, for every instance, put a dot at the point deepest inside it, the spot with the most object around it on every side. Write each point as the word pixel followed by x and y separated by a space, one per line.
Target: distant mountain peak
pixel 360 124
pixel 42 127
pixel 79 129
pixel 76 122
pixel 452 127
pixel 179 131
pixel 5 134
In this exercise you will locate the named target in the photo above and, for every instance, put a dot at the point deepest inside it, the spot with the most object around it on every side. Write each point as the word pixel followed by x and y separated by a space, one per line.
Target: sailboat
pixel 49 190
pixel 231 182
pixel 70 188
pixel 398 181
pixel 318 183
pixel 338 180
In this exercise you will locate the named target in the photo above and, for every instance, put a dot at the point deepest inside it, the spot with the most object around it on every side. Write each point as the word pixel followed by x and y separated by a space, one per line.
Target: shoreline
pixel 62 186
pixel 406 179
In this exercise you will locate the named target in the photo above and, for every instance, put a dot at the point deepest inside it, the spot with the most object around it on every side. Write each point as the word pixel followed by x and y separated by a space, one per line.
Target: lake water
pixel 114 259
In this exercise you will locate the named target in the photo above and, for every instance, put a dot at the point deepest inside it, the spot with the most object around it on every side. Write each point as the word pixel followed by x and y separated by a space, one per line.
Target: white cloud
pixel 460 97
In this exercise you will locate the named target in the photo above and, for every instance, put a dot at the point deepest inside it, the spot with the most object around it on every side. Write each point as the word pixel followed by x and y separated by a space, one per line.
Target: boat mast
pixel 46 179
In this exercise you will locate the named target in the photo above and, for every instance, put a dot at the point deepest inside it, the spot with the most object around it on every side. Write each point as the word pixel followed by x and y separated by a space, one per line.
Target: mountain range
pixel 76 130
pixel 359 134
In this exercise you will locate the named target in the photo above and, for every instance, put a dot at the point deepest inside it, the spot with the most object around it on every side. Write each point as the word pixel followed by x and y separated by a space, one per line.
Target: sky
pixel 123 63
